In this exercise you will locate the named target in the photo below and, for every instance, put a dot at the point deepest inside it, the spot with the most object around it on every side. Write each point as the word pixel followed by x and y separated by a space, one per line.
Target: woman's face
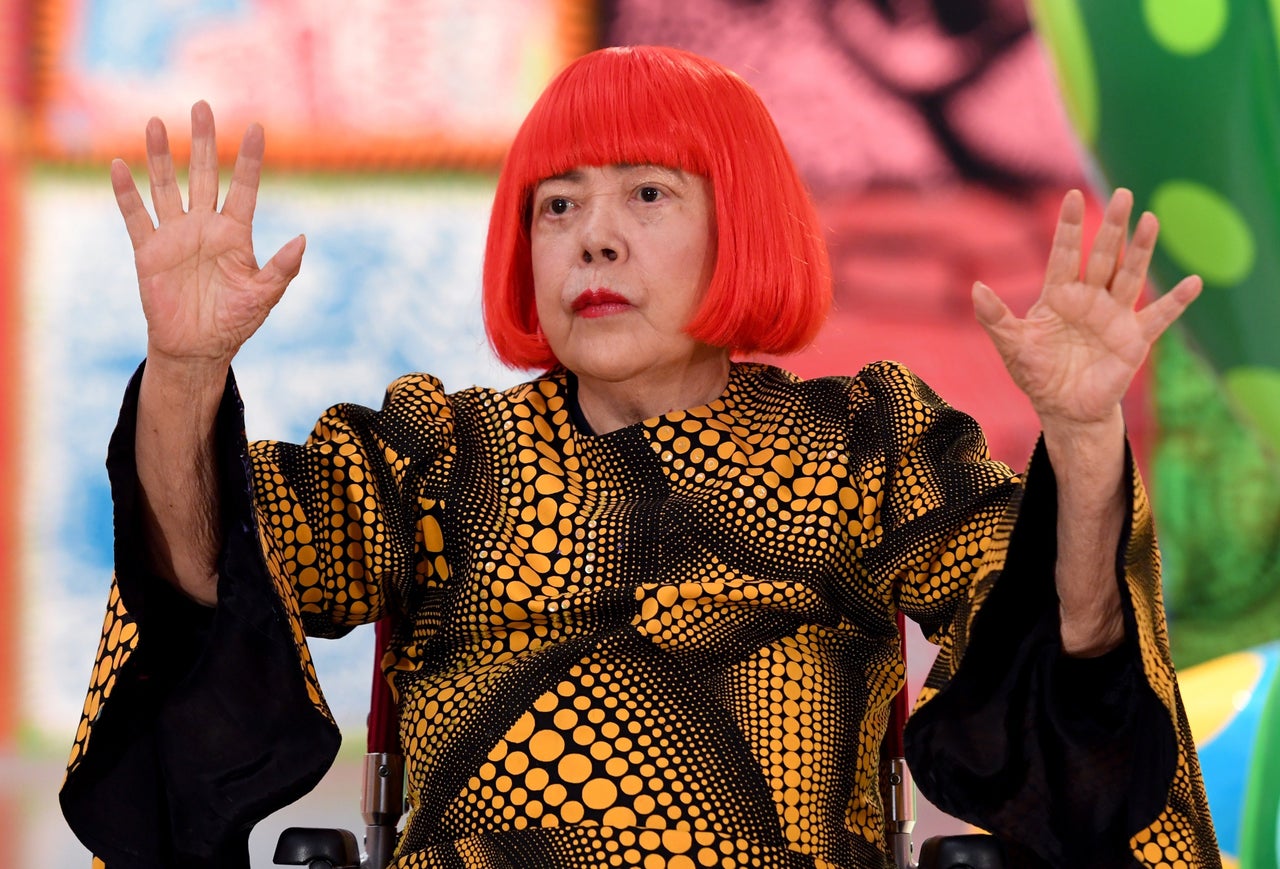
pixel 622 256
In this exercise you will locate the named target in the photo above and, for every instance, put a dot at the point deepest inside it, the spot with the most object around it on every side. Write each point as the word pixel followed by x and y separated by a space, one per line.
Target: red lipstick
pixel 599 303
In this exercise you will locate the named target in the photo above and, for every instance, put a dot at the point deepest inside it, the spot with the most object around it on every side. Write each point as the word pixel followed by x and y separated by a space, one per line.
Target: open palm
pixel 1082 342
pixel 202 291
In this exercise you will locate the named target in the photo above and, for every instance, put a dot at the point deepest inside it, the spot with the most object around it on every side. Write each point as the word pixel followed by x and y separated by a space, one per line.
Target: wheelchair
pixel 382 800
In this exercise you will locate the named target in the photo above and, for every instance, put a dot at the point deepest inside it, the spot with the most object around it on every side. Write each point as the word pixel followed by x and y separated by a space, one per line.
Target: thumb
pixel 991 312
pixel 995 317
pixel 989 308
pixel 282 268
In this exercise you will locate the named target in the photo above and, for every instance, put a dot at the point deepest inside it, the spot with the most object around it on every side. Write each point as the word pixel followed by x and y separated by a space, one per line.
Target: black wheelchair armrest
pixel 317 848
pixel 962 852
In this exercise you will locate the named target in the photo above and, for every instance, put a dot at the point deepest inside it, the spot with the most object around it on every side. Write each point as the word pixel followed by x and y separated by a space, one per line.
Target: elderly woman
pixel 646 601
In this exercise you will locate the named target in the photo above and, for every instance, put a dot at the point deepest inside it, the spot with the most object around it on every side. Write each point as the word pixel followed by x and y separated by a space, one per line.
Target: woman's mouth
pixel 599 303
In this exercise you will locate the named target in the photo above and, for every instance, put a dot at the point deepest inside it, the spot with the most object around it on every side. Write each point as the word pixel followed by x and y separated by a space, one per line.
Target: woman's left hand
pixel 1082 342
pixel 1074 354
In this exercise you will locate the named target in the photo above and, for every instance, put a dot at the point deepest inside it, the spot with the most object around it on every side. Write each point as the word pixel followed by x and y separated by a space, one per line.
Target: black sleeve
pixel 1066 757
pixel 199 720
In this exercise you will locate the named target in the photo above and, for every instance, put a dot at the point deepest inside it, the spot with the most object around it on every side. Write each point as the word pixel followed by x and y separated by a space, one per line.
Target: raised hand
pixel 203 296
pixel 202 291
pixel 1080 344
pixel 1074 354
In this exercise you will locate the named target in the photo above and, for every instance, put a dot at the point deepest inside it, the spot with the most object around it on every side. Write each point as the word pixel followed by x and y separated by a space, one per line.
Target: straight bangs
pixel 666 107
pixel 615 113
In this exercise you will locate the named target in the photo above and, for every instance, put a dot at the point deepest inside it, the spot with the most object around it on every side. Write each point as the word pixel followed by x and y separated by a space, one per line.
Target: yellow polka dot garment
pixel 674 645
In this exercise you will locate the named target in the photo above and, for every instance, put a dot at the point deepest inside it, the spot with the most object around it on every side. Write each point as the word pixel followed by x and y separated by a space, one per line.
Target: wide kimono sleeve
pixel 1080 762
pixel 199 722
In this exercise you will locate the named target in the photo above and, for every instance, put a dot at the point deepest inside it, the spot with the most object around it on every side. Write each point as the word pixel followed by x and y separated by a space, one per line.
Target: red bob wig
pixel 656 105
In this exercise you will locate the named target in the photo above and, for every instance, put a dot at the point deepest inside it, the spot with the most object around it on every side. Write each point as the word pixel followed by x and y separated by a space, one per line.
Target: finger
pixel 1158 316
pixel 165 196
pixel 1104 256
pixel 136 219
pixel 274 277
pixel 995 317
pixel 203 183
pixel 1128 282
pixel 1064 255
pixel 242 195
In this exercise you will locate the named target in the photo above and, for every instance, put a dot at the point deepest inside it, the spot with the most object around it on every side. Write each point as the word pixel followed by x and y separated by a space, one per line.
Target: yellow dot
pixel 546 745
pixel 554 794
pixel 677 841
pixel 599 793
pixel 618 816
pixel 545 540
pixel 574 768
pixel 516 762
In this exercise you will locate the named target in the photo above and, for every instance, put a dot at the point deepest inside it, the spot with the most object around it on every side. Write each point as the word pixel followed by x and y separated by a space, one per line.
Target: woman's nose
pixel 602 235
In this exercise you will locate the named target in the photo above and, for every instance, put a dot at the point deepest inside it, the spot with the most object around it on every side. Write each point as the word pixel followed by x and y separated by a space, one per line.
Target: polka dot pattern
pixel 1187 27
pixel 1129 73
pixel 685 625
pixel 1205 232
pixel 1182 835
pixel 1155 66
pixel 1177 838
pixel 672 645
pixel 119 639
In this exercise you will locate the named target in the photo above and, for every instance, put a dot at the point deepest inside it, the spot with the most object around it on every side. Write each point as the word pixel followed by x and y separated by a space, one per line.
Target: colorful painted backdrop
pixel 931 132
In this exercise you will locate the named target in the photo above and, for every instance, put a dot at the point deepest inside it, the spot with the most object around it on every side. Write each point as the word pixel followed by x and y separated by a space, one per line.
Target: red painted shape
pixel 14 82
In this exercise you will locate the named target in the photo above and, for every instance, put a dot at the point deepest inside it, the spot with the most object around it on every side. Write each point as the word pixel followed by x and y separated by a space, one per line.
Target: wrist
pixel 178 401
pixel 1065 434
pixel 192 377
pixel 1088 635
pixel 1087 457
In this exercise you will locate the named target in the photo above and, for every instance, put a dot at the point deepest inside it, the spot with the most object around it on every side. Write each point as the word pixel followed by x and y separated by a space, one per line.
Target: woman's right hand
pixel 202 291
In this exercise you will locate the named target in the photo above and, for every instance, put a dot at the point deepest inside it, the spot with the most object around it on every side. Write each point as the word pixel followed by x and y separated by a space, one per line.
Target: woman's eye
pixel 557 205
pixel 650 194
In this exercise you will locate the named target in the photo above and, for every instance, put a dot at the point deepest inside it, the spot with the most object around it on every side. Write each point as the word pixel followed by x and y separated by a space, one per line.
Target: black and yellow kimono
pixel 671 645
